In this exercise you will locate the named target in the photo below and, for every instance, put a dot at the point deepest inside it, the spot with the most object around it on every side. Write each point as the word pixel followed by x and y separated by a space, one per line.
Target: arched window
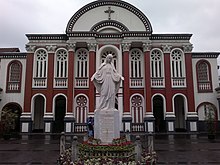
pixel 137 109
pixel 61 68
pixel 204 80
pixel 177 68
pixel 14 77
pixel 81 109
pixel 109 51
pixel 136 68
pixel 137 113
pixel 41 64
pixel 157 69
pixel 82 68
pixel 40 69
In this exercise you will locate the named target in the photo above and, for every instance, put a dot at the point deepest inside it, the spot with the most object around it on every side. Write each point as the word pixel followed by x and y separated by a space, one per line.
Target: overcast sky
pixel 198 17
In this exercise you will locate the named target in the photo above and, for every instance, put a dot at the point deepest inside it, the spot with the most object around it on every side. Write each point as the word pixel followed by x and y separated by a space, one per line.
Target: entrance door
pixel 38 123
pixel 158 111
pixel 180 124
pixel 60 110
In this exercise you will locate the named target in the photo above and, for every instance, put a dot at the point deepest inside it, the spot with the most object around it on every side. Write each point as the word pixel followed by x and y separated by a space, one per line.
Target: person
pixel 107 82
pixel 90 126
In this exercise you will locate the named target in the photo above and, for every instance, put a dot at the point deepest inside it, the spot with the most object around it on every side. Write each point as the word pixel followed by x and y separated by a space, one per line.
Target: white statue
pixel 107 82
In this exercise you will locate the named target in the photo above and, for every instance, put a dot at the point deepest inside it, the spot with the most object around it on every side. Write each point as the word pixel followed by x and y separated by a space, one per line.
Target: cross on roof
pixel 109 11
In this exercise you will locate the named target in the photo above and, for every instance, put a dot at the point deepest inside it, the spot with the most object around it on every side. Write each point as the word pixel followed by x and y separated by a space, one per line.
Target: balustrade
pixel 137 127
pixel 60 82
pixel 179 82
pixel 13 86
pixel 136 82
pixel 40 82
pixel 157 82
pixel 81 82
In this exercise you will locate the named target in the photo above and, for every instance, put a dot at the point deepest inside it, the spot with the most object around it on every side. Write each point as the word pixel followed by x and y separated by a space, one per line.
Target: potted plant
pixel 210 122
pixel 8 120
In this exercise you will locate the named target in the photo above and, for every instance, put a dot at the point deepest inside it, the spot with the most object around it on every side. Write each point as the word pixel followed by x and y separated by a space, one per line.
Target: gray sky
pixel 198 17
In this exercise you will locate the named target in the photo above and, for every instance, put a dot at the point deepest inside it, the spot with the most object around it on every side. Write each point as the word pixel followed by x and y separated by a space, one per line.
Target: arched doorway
pixel 179 106
pixel 16 110
pixel 158 112
pixel 60 111
pixel 38 122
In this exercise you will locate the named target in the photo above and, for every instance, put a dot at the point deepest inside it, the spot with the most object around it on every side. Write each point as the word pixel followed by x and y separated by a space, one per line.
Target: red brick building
pixel 167 87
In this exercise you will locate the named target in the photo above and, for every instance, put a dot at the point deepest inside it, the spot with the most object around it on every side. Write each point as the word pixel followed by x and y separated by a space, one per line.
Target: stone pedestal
pixel 106 125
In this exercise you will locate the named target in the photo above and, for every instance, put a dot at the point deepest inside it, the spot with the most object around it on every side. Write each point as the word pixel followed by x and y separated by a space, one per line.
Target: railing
pixel 137 127
pixel 81 82
pixel 80 127
pixel 178 82
pixel 13 86
pixel 40 82
pixel 136 82
pixel 157 82
pixel 60 82
pixel 204 86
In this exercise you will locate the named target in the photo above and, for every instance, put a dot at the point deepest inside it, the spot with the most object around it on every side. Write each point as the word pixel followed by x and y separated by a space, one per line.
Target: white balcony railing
pixel 80 127
pixel 157 82
pixel 81 82
pixel 137 127
pixel 39 82
pixel 136 82
pixel 60 82
pixel 178 82
pixel 205 86
pixel 13 86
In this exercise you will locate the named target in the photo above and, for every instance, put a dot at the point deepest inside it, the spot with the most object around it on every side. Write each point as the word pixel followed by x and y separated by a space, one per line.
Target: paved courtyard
pixel 172 149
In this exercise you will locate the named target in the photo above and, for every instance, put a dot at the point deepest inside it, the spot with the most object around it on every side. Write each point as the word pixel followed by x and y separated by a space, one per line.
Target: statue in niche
pixel 107 82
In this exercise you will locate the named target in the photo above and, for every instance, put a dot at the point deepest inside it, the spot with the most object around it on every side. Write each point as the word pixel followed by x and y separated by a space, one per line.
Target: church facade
pixel 166 86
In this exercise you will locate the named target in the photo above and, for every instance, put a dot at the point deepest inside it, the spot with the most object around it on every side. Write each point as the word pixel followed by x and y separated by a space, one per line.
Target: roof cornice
pixel 13 55
pixel 47 36
pixel 205 54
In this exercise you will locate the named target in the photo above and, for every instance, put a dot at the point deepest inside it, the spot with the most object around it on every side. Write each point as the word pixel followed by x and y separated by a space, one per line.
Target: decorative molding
pixel 170 36
pixel 30 48
pixel 113 23
pixel 117 3
pixel 92 46
pixel 166 48
pixel 112 35
pixel 47 37
pixel 126 47
pixel 13 55
pixel 71 47
pixel 147 46
pixel 51 48
pixel 205 54
pixel 187 48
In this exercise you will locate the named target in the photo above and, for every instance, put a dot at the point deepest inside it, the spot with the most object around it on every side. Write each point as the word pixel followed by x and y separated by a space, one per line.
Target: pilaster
pixel 189 77
pixel 92 67
pixel 126 119
pixel 69 118
pixel 50 76
pixel 28 78
pixel 166 50
pixel 126 49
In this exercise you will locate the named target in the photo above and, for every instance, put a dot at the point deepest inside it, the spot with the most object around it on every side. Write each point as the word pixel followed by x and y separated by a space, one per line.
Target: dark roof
pixel 9 50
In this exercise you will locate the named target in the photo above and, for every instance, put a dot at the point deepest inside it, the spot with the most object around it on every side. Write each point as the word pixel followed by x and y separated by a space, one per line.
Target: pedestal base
pixel 106 125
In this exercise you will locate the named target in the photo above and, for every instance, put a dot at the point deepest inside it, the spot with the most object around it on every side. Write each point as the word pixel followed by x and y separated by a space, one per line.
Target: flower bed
pixel 119 149
pixel 120 152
